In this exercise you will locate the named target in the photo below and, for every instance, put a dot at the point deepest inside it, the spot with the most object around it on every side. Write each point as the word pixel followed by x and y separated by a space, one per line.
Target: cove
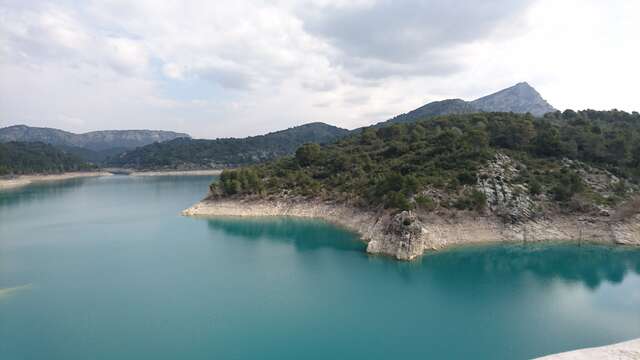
pixel 106 268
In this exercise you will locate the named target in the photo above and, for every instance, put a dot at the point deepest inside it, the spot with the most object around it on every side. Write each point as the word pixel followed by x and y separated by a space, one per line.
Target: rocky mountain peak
pixel 520 98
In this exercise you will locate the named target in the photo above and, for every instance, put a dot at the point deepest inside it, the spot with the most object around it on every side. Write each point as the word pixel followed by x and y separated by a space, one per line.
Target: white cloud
pixel 125 55
pixel 245 67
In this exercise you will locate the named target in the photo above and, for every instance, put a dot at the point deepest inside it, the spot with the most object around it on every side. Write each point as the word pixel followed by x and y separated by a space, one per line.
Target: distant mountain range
pixel 520 98
pixel 148 149
pixel 95 140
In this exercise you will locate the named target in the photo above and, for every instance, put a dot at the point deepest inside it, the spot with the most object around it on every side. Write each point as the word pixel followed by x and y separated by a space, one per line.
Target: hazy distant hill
pixel 95 140
pixel 200 153
pixel 520 98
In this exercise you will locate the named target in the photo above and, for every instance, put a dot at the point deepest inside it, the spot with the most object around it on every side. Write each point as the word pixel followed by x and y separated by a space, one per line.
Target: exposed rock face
pixel 407 230
pixel 627 232
pixel 504 198
pixel 520 98
pixel 405 236
pixel 599 180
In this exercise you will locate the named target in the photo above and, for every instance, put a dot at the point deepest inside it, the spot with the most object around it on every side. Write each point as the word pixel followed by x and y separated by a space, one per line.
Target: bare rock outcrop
pixel 505 198
pixel 407 233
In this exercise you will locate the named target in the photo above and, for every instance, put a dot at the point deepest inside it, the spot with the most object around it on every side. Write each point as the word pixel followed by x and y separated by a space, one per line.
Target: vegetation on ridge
pixel 438 162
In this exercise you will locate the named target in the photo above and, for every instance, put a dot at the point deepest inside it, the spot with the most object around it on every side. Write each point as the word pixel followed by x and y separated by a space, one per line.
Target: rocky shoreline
pixel 24 180
pixel 407 235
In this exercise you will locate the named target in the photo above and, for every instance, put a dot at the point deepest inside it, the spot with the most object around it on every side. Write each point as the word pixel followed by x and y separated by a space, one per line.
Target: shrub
pixel 242 181
pixel 398 200
pixel 425 203
pixel 568 184
pixel 535 188
pixel 467 178
pixel 307 154
pixel 472 200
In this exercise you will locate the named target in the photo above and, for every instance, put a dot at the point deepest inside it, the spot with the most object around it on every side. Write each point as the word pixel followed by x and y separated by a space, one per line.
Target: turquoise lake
pixel 106 268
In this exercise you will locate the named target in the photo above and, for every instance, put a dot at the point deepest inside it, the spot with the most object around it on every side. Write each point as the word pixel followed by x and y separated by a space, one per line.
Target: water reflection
pixel 304 235
pixel 590 265
pixel 587 264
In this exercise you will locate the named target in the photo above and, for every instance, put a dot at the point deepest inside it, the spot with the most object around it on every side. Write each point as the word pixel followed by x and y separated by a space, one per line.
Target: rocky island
pixel 456 179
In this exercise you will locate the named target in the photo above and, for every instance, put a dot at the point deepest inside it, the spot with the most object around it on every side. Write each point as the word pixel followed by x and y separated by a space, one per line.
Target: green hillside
pixel 586 159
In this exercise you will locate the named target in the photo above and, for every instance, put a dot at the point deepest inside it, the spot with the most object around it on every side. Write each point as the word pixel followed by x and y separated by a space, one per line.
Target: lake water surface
pixel 106 268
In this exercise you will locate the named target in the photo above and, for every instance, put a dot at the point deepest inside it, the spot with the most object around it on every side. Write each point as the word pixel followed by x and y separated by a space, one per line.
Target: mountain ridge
pixel 152 148
pixel 94 140
pixel 519 98
pixel 185 154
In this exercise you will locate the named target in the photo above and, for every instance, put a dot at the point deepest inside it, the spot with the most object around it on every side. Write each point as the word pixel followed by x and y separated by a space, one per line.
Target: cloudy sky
pixel 237 68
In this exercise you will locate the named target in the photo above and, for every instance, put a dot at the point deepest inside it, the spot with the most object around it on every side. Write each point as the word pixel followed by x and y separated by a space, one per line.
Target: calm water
pixel 107 269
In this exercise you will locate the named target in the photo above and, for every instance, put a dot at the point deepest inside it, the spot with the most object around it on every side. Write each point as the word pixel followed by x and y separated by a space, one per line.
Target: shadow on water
pixel 304 235
pixel 590 265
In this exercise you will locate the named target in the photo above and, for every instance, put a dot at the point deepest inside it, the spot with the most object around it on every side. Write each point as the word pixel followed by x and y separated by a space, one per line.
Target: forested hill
pixel 193 154
pixel 586 161
pixel 18 158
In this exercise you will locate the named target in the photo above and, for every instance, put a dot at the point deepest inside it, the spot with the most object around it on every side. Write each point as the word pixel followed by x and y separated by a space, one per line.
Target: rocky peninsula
pixel 455 180
pixel 407 235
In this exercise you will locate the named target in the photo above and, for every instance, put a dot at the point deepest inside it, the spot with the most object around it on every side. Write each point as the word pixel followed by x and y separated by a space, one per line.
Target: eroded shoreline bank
pixel 406 236
pixel 24 180
pixel 620 351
